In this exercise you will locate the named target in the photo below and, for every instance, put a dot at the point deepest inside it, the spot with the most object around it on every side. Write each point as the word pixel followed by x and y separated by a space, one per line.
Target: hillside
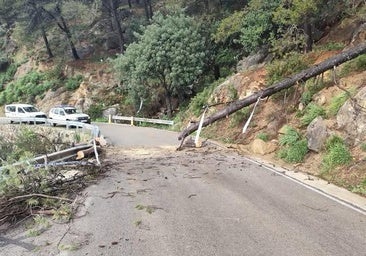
pixel 279 130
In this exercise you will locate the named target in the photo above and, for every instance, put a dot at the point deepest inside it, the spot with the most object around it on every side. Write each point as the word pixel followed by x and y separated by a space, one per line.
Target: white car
pixel 23 113
pixel 67 113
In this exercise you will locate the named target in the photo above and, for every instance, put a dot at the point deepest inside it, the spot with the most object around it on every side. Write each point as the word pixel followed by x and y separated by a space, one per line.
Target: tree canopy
pixel 170 53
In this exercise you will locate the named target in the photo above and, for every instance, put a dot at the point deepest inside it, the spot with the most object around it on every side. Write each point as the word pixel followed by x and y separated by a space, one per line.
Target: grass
pixel 360 188
pixel 338 101
pixel 353 66
pixel 311 112
pixel 293 146
pixel 337 154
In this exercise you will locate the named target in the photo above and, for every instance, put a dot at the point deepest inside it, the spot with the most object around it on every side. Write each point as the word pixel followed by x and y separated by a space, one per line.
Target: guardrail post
pixel 109 119
pixel 132 121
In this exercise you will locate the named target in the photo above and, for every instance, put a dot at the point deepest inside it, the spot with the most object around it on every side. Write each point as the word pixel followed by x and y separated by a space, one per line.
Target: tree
pixel 169 54
pixel 299 13
pixel 286 83
pixel 111 7
pixel 258 26
pixel 55 14
pixel 36 19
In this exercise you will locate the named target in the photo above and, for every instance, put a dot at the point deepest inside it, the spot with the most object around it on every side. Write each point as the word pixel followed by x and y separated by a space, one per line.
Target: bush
pixel 289 65
pixel 338 101
pixel 73 83
pixel 239 116
pixel 293 146
pixel 311 112
pixel 263 136
pixel 352 66
pixel 95 111
pixel 337 153
pixel 201 99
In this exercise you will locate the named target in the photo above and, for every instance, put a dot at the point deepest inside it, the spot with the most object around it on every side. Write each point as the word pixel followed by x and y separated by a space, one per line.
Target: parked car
pixel 67 113
pixel 23 113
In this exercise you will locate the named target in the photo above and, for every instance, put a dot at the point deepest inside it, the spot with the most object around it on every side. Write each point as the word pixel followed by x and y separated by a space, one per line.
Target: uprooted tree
pixel 284 84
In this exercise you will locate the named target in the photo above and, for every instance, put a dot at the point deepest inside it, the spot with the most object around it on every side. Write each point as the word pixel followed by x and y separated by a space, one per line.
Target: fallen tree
pixel 284 84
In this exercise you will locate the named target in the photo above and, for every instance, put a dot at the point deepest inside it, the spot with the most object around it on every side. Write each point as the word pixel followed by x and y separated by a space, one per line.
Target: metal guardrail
pixel 94 130
pixel 133 119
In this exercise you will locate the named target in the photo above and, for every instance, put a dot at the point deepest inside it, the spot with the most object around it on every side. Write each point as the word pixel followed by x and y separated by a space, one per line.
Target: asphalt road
pixel 209 201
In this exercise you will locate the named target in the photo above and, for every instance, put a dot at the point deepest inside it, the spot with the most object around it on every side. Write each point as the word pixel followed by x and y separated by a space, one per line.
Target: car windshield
pixel 70 111
pixel 30 109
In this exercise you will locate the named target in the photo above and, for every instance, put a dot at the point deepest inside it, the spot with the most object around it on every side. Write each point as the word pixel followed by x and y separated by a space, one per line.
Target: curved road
pixel 208 201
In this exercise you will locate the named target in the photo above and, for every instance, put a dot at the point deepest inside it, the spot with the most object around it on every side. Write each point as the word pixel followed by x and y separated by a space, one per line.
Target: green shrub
pixel 263 136
pixel 73 83
pixel 360 188
pixel 363 147
pixel 338 101
pixel 290 64
pixel 355 65
pixel 201 99
pixel 289 137
pixel 337 153
pixel 95 111
pixel 293 146
pixel 311 112
pixel 239 116
pixel 331 46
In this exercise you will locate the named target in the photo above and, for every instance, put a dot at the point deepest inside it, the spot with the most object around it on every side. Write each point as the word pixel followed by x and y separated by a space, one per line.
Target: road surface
pixel 155 200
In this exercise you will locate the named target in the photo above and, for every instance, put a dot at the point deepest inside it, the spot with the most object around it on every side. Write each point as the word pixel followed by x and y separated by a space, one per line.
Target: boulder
pixel 251 61
pixel 351 118
pixel 316 134
pixel 261 147
pixel 110 111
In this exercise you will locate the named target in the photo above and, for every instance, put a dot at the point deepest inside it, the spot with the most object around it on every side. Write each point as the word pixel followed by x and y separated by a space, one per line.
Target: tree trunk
pixel 148 9
pixel 45 39
pixel 284 84
pixel 115 17
pixel 66 29
pixel 309 35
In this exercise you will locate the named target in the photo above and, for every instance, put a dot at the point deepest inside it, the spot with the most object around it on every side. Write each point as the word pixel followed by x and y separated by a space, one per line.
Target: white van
pixel 23 113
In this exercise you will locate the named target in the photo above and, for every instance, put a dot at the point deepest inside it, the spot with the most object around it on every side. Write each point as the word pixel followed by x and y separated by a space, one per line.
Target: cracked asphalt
pixel 155 200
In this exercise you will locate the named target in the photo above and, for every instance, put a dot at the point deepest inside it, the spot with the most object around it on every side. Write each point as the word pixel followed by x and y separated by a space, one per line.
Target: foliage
pixel 312 86
pixel 331 46
pixel 363 147
pixel 26 88
pixel 199 101
pixel 294 11
pixel 290 64
pixel 95 111
pixel 338 101
pixel 36 187
pixel 72 83
pixel 239 116
pixel 229 28
pixel 8 75
pixel 337 153
pixel 311 112
pixel 263 136
pixel 258 26
pixel 293 146
pixel 356 65
pixel 169 54
pixel 360 188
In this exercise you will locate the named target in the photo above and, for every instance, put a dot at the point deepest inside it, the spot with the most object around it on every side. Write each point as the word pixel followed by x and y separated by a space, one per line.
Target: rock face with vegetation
pixel 174 58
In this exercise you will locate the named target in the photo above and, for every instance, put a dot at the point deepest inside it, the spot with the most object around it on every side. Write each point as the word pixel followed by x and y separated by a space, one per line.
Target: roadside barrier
pixel 93 129
pixel 133 119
